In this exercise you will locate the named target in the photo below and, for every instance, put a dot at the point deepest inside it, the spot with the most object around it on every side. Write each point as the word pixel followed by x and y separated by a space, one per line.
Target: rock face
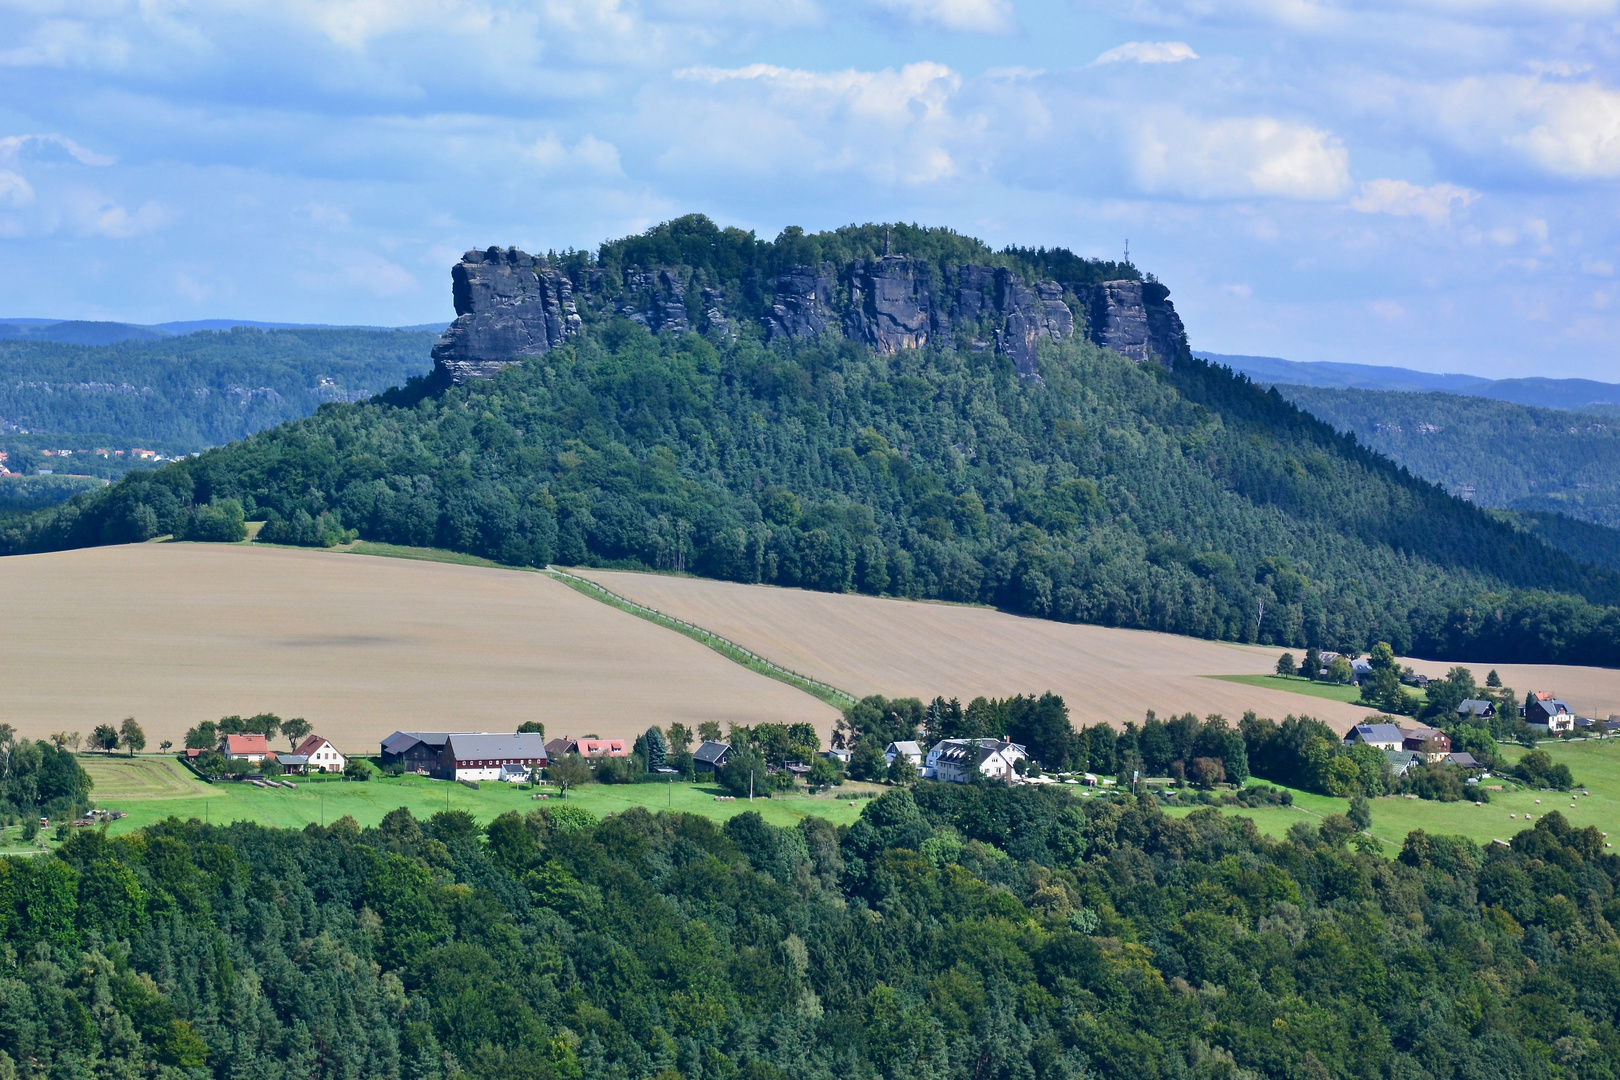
pixel 511 305
pixel 1135 319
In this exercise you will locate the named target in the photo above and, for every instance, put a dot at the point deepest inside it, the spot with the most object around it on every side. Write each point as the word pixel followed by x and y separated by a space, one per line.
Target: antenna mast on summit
pixel 885 241
pixel 1127 250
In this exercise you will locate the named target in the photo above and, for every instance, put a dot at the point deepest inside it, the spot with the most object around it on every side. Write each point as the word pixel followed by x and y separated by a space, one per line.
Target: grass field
pixel 1296 685
pixel 177 633
pixel 151 788
pixel 1596 763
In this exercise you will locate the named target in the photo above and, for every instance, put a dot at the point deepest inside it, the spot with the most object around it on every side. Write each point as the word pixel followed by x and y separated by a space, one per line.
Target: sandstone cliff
pixel 511 305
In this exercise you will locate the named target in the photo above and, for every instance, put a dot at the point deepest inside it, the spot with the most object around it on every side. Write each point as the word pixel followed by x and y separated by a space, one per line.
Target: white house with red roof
pixel 320 755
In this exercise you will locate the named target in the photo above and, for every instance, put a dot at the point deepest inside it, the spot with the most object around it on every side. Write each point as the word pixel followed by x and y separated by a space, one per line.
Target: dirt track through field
pixel 870 645
pixel 358 645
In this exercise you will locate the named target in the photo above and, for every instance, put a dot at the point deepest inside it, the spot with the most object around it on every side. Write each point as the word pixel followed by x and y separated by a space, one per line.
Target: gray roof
pixel 711 751
pixel 293 759
pixel 484 745
pixel 1463 758
pixel 905 746
pixel 401 741
pixel 1475 707
pixel 1376 733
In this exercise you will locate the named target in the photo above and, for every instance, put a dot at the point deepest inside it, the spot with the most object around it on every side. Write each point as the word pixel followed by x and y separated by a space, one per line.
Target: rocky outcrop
pixel 803 305
pixel 509 305
pixel 1135 319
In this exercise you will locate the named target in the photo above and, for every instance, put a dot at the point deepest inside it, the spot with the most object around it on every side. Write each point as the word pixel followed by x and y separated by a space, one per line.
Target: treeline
pixel 1108 492
pixel 41 779
pixel 958 931
pixel 187 393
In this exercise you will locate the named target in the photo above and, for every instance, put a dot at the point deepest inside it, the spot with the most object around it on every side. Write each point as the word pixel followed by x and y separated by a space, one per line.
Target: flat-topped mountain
pixel 889 410
pixel 892 289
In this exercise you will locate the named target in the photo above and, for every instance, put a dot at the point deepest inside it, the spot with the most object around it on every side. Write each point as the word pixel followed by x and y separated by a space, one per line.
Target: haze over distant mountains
pixel 88 332
pixel 1582 395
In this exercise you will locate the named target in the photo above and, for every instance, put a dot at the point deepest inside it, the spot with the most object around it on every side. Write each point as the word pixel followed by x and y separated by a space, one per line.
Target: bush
pixel 220 522
pixel 1536 768
pixel 305 531
pixel 357 769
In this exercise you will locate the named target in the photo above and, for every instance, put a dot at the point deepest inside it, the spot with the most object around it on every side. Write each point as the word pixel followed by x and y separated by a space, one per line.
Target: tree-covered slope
pixel 1106 491
pixel 192 391
pixel 960 932
pixel 1505 455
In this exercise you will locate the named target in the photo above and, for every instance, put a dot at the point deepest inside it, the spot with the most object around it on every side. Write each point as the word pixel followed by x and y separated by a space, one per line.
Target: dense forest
pixel 968 931
pixel 186 393
pixel 1506 455
pixel 1184 500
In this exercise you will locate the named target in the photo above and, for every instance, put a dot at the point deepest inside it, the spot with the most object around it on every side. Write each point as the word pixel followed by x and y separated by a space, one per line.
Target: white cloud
pixel 1388 310
pixel 1239 157
pixel 969 16
pixel 1409 200
pixel 11 146
pixel 589 155
pixel 14 189
pixel 98 216
pixel 1148 52
pixel 1571 130
pixel 894 126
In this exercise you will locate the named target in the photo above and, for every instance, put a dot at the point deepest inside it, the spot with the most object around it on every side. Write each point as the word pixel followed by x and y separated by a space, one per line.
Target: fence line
pixel 832 695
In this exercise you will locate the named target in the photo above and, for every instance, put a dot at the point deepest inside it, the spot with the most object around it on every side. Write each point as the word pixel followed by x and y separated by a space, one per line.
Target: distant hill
pixel 1495 453
pixel 80 332
pixel 1574 394
pixel 175 394
pixel 1043 473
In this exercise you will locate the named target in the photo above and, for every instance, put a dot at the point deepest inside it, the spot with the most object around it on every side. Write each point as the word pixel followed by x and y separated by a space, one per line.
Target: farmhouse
pixel 711 756
pixel 417 751
pixel 910 750
pixel 482 755
pixel 1474 708
pixel 956 760
pixel 253 748
pixel 1432 743
pixel 320 755
pixel 1552 714
pixel 1377 736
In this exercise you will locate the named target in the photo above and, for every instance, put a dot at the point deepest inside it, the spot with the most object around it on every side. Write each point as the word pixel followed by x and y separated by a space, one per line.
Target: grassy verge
pixel 149 789
pixel 838 699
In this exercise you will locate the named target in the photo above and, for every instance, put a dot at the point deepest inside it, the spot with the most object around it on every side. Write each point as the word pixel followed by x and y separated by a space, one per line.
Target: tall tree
pixel 131 735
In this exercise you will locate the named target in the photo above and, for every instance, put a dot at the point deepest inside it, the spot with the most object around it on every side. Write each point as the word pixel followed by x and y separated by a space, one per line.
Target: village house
pixel 320 755
pixel 1432 743
pixel 956 760
pixel 1476 709
pixel 711 756
pixel 254 748
pixel 1552 715
pixel 911 750
pixel 483 755
pixel 1377 736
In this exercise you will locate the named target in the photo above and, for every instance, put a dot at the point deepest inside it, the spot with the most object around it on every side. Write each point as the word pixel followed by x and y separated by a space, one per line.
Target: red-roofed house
pixel 599 748
pixel 247 747
pixel 320 755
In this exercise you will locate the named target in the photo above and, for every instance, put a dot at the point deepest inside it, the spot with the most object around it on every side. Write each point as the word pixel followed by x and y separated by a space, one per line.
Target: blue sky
pixel 1428 183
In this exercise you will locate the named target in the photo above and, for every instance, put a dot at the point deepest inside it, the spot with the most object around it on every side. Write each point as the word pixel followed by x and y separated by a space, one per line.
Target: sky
pixel 1430 184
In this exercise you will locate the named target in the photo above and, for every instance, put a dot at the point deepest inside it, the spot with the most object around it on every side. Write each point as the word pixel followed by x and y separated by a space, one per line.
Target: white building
pixel 481 756
pixel 320 755
pixel 909 749
pixel 955 760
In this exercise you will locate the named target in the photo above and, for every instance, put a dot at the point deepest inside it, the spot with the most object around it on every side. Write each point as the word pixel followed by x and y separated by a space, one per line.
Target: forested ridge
pixel 1186 500
pixel 186 393
pixel 1511 456
pixel 954 931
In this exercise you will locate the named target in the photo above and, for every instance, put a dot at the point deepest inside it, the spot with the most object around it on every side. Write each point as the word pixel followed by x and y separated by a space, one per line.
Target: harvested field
pixel 870 645
pixel 359 646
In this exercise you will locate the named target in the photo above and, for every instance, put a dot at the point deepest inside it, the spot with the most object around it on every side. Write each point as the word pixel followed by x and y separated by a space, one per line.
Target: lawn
pixel 1595 763
pixel 152 788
